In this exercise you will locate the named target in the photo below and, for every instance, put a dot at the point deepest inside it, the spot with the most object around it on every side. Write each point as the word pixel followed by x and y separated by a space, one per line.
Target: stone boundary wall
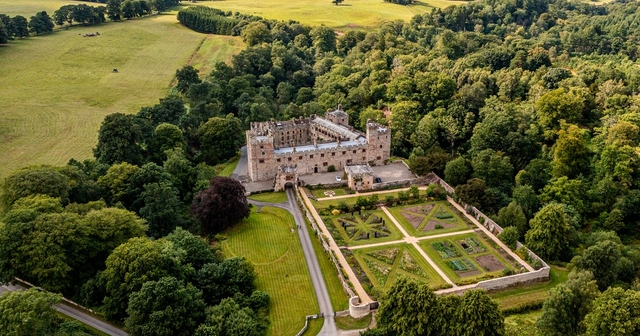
pixel 325 246
pixel 306 324
pixel 401 183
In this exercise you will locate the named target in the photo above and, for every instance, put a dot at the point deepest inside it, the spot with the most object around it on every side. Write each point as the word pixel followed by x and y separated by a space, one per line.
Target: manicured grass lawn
pixel 265 239
pixel 461 254
pixel 274 197
pixel 353 234
pixel 439 207
pixel 319 193
pixel 383 266
pixel 27 8
pixel 352 14
pixel 339 298
pixel 57 88
pixel 349 323
pixel 530 294
pixel 315 325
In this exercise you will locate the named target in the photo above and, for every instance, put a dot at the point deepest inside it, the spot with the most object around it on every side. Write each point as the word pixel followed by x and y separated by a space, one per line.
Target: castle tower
pixel 379 143
pixel 338 116
pixel 260 156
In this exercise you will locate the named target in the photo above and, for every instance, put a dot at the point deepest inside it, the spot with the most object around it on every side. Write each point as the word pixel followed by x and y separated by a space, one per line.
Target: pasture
pixel 266 241
pixel 27 8
pixel 351 14
pixel 57 88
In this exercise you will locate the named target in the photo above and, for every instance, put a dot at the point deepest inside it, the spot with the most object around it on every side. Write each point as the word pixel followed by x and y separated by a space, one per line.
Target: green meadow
pixel 27 8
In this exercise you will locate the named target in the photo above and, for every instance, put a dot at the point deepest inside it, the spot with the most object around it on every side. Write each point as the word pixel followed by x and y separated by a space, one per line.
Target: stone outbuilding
pixel 287 177
pixel 359 176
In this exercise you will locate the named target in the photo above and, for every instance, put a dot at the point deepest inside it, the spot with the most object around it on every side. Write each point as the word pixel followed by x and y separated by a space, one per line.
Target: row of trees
pixel 209 20
pixel 19 27
pixel 83 14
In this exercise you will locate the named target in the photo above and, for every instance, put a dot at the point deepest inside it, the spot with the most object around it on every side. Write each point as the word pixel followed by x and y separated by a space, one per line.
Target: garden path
pixel 405 240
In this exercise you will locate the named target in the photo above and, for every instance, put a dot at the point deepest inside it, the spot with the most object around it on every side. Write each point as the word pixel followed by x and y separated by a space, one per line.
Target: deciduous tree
pixel 551 236
pixel 28 312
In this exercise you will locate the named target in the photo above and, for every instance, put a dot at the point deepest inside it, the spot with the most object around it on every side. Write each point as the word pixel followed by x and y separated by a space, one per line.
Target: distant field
pixel 56 89
pixel 351 14
pixel 215 48
pixel 27 8
pixel 265 239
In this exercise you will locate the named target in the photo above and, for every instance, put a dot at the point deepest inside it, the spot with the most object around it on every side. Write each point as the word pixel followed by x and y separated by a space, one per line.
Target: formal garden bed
pixel 361 228
pixel 383 264
pixel 431 218
pixel 468 258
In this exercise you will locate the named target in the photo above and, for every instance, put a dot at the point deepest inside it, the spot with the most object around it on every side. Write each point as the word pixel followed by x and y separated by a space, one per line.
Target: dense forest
pixel 528 108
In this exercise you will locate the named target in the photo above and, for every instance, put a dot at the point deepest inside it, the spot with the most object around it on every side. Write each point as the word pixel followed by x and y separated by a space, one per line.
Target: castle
pixel 313 145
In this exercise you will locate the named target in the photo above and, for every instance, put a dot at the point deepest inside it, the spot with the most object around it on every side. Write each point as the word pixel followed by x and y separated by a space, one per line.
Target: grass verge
pixel 350 323
pixel 521 296
pixel 274 197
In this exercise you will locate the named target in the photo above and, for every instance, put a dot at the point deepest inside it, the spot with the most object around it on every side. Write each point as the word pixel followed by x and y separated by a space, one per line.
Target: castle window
pixel 354 151
pixel 261 147
pixel 380 146
pixel 364 150
pixel 311 156
pixel 349 161
pixel 299 157
pixel 261 160
pixel 378 158
pixel 333 154
pixel 278 160
pixel 289 159
pixel 364 158
pixel 321 155
pixel 262 153
pixel 325 164
pixel 343 153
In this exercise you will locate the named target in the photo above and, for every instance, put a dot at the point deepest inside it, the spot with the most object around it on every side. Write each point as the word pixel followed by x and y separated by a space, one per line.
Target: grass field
pixel 215 48
pixel 351 14
pixel 265 239
pixel 274 197
pixel 531 294
pixel 319 193
pixel 27 8
pixel 522 324
pixel 350 323
pixel 56 89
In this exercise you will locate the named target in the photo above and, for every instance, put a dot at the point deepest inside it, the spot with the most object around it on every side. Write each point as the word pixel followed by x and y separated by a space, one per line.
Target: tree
pixel 33 180
pixel 119 140
pixel 512 215
pixel 128 9
pixel 230 319
pixel 536 174
pixel 457 171
pixel 472 192
pixel 165 137
pixel 220 206
pixel 20 26
pixel 566 191
pixel 256 33
pixel 132 264
pixel 563 312
pixel 478 315
pixel 570 155
pixel 559 105
pixel 551 236
pixel 186 77
pixel 226 279
pixel 114 10
pixel 510 236
pixel 220 139
pixel 601 260
pixel 169 110
pixel 117 180
pixel 527 199
pixel 165 307
pixel 4 34
pixel 64 14
pixel 494 168
pixel 324 39
pixel 28 312
pixel 162 209
pixel 198 251
pixel 615 312
pixel 40 23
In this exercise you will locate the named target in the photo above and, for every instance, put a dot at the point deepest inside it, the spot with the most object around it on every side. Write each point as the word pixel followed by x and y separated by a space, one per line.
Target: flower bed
pixel 388 256
pixel 380 271
pixel 461 265
pixel 408 264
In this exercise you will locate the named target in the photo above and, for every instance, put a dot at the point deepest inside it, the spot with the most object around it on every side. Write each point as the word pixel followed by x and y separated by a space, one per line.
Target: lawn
pixel 227 168
pixel 57 88
pixel 214 49
pixel 530 294
pixel 351 200
pixel 384 264
pixel 274 197
pixel 319 193
pixel 351 14
pixel 350 323
pixel 420 219
pixel 372 226
pixel 457 256
pixel 522 324
pixel 265 239
pixel 27 8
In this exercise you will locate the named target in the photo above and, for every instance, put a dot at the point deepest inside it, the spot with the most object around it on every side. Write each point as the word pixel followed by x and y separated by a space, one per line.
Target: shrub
pixel 335 212
pixel 331 168
pixel 507 271
pixel 509 236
